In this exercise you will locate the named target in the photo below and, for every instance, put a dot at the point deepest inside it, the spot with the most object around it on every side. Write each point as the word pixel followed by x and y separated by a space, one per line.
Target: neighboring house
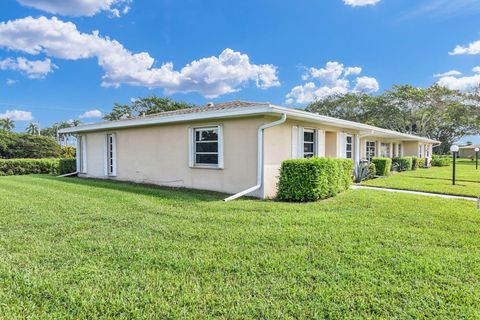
pixel 467 151
pixel 228 147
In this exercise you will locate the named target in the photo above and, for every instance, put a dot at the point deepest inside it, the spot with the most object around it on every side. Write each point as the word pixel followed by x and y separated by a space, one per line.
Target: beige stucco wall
pixel 466 153
pixel 160 155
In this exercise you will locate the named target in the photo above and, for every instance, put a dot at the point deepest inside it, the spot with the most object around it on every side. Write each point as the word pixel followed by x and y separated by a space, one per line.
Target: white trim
pixel 113 173
pixel 320 140
pixel 192 145
pixel 295 144
pixel 248 111
pixel 83 153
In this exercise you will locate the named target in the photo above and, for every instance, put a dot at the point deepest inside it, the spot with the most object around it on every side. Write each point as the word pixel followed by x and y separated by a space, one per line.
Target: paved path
pixel 416 192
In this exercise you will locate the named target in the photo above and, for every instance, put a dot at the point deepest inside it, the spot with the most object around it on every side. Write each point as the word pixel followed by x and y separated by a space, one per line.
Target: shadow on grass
pixel 444 179
pixel 140 189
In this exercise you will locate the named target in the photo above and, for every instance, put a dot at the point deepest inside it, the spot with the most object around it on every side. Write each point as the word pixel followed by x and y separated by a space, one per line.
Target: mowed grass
pixel 435 179
pixel 83 249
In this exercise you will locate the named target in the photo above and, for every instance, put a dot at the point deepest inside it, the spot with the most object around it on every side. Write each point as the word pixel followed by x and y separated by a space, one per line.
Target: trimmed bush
pixel 422 163
pixel 382 166
pixel 303 180
pixel 372 170
pixel 9 167
pixel 22 146
pixel 68 152
pixel 415 163
pixel 401 164
pixel 440 161
pixel 67 166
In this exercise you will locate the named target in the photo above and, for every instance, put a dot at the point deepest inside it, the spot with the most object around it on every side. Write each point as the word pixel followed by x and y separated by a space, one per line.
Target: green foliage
pixel 20 145
pixel 364 171
pixel 7 124
pixel 145 106
pixel 33 129
pixel 68 152
pixel 67 166
pixel 401 164
pixel 435 112
pixel 382 166
pixel 440 161
pixel 10 167
pixel 415 163
pixel 303 180
pixel 422 163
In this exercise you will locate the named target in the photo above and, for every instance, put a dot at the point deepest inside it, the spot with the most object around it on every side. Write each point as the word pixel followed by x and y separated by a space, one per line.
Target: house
pixel 467 151
pixel 234 147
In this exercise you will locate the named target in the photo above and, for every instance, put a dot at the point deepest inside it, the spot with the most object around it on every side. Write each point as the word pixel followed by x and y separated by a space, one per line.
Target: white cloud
pixel 476 69
pixel 472 49
pixel 10 82
pixel 333 79
pixel 78 8
pixel 450 73
pixel 17 115
pixel 466 83
pixel 361 3
pixel 211 77
pixel 91 114
pixel 34 69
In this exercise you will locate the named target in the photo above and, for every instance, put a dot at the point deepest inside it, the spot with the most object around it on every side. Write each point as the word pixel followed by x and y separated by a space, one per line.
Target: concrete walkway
pixel 415 192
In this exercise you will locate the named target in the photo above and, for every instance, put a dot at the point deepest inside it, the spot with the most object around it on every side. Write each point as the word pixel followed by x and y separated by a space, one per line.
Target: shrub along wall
pixel 10 167
pixel 383 166
pixel 415 163
pixel 19 146
pixel 402 163
pixel 440 161
pixel 303 180
pixel 67 166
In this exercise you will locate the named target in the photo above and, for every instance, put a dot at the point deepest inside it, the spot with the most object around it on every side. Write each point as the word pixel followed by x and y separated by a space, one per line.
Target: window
pixel 82 154
pixel 309 143
pixel 349 147
pixel 385 150
pixel 371 150
pixel 111 155
pixel 399 150
pixel 427 151
pixel 420 151
pixel 206 147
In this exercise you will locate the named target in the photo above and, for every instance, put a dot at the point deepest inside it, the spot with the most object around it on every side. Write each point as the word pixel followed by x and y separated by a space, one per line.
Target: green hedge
pixel 303 180
pixel 422 163
pixel 415 163
pixel 440 161
pixel 382 165
pixel 402 163
pixel 9 167
pixel 23 146
pixel 67 166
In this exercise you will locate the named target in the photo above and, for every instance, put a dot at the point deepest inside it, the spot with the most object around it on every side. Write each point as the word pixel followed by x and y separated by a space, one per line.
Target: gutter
pixel 259 159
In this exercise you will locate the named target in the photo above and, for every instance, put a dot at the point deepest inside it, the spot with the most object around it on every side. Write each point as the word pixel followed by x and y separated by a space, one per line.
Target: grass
pixel 83 249
pixel 435 179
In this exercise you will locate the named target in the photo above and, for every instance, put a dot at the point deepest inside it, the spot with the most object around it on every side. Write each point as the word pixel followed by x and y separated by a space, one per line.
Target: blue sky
pixel 54 66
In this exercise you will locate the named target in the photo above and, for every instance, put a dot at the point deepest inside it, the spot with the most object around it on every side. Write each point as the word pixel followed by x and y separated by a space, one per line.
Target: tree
pixel 145 106
pixel 436 112
pixel 33 129
pixel 7 124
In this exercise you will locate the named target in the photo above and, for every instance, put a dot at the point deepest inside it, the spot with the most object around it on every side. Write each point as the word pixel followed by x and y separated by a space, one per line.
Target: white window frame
pixel 313 143
pixel 370 150
pixel 193 143
pixel 420 150
pixel 352 145
pixel 389 151
pixel 82 154
pixel 427 150
pixel 111 155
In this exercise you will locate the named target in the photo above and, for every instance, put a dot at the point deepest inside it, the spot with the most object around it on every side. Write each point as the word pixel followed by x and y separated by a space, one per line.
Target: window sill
pixel 206 167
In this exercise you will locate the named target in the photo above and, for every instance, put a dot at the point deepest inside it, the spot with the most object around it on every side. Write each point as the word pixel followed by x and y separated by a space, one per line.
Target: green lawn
pixel 82 249
pixel 435 179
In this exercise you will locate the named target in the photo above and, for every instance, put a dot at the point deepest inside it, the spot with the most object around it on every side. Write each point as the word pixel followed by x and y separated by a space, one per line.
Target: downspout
pixel 259 159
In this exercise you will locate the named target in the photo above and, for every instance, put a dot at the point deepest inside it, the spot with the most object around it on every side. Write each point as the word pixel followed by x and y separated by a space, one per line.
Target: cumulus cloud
pixel 466 83
pixel 361 3
pixel 10 82
pixel 95 113
pixel 17 115
pixel 333 79
pixel 78 8
pixel 34 69
pixel 450 73
pixel 211 77
pixel 471 49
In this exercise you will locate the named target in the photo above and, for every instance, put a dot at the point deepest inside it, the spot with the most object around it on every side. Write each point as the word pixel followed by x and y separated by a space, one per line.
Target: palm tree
pixel 33 129
pixel 7 124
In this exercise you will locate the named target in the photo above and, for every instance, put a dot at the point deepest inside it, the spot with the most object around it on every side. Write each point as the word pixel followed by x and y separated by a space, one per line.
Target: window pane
pixel 349 147
pixel 308 136
pixel 207 147
pixel 308 147
pixel 207 135
pixel 349 155
pixel 349 139
pixel 308 155
pixel 206 158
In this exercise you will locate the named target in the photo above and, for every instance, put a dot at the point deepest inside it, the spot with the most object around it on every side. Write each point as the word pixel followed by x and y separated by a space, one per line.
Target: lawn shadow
pixel 173 193
pixel 444 179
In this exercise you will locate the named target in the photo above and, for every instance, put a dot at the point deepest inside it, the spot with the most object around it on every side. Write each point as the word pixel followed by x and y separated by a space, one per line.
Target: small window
pixel 371 150
pixel 111 155
pixel 309 144
pixel 399 151
pixel 206 151
pixel 427 151
pixel 349 147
